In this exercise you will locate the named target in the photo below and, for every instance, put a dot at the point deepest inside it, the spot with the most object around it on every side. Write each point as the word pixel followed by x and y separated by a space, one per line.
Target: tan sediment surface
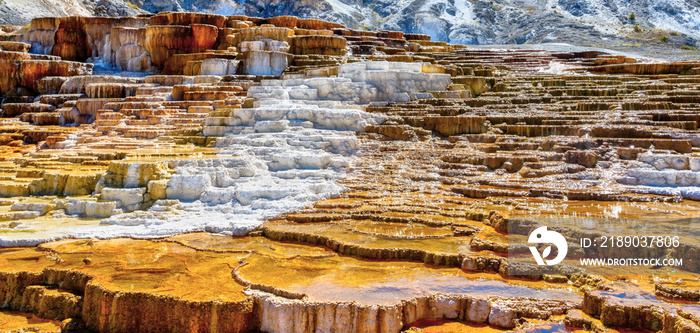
pixel 15 320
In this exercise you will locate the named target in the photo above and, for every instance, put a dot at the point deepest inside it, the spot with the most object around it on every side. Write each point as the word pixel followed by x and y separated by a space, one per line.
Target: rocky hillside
pixel 602 23
pixel 20 12
pixel 501 21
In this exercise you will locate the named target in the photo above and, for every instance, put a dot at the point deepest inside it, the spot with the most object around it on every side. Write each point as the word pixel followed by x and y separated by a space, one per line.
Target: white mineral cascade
pixel 283 154
pixel 665 174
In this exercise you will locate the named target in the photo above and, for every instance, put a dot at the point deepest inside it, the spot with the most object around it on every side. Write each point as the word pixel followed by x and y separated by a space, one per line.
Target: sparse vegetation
pixel 688 48
pixel 376 22
pixel 637 28
pixel 132 5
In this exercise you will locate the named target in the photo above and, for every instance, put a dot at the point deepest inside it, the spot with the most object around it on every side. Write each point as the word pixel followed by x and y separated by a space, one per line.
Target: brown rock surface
pixel 164 41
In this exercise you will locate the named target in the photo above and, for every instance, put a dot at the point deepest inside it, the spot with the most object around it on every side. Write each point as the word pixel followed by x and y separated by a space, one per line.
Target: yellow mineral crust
pixel 204 278
pixel 16 320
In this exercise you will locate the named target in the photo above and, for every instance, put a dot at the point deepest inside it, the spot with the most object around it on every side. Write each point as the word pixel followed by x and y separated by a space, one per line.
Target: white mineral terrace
pixel 280 156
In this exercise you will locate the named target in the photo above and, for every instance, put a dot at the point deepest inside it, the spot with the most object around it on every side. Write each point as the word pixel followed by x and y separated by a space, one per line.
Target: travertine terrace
pixel 202 173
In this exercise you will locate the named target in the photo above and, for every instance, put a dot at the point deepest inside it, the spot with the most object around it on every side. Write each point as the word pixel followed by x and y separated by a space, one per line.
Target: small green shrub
pixel 637 28
pixel 632 16
pixel 664 39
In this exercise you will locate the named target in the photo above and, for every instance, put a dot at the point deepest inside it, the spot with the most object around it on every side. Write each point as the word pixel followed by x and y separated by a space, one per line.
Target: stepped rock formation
pixel 232 173
pixel 620 24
